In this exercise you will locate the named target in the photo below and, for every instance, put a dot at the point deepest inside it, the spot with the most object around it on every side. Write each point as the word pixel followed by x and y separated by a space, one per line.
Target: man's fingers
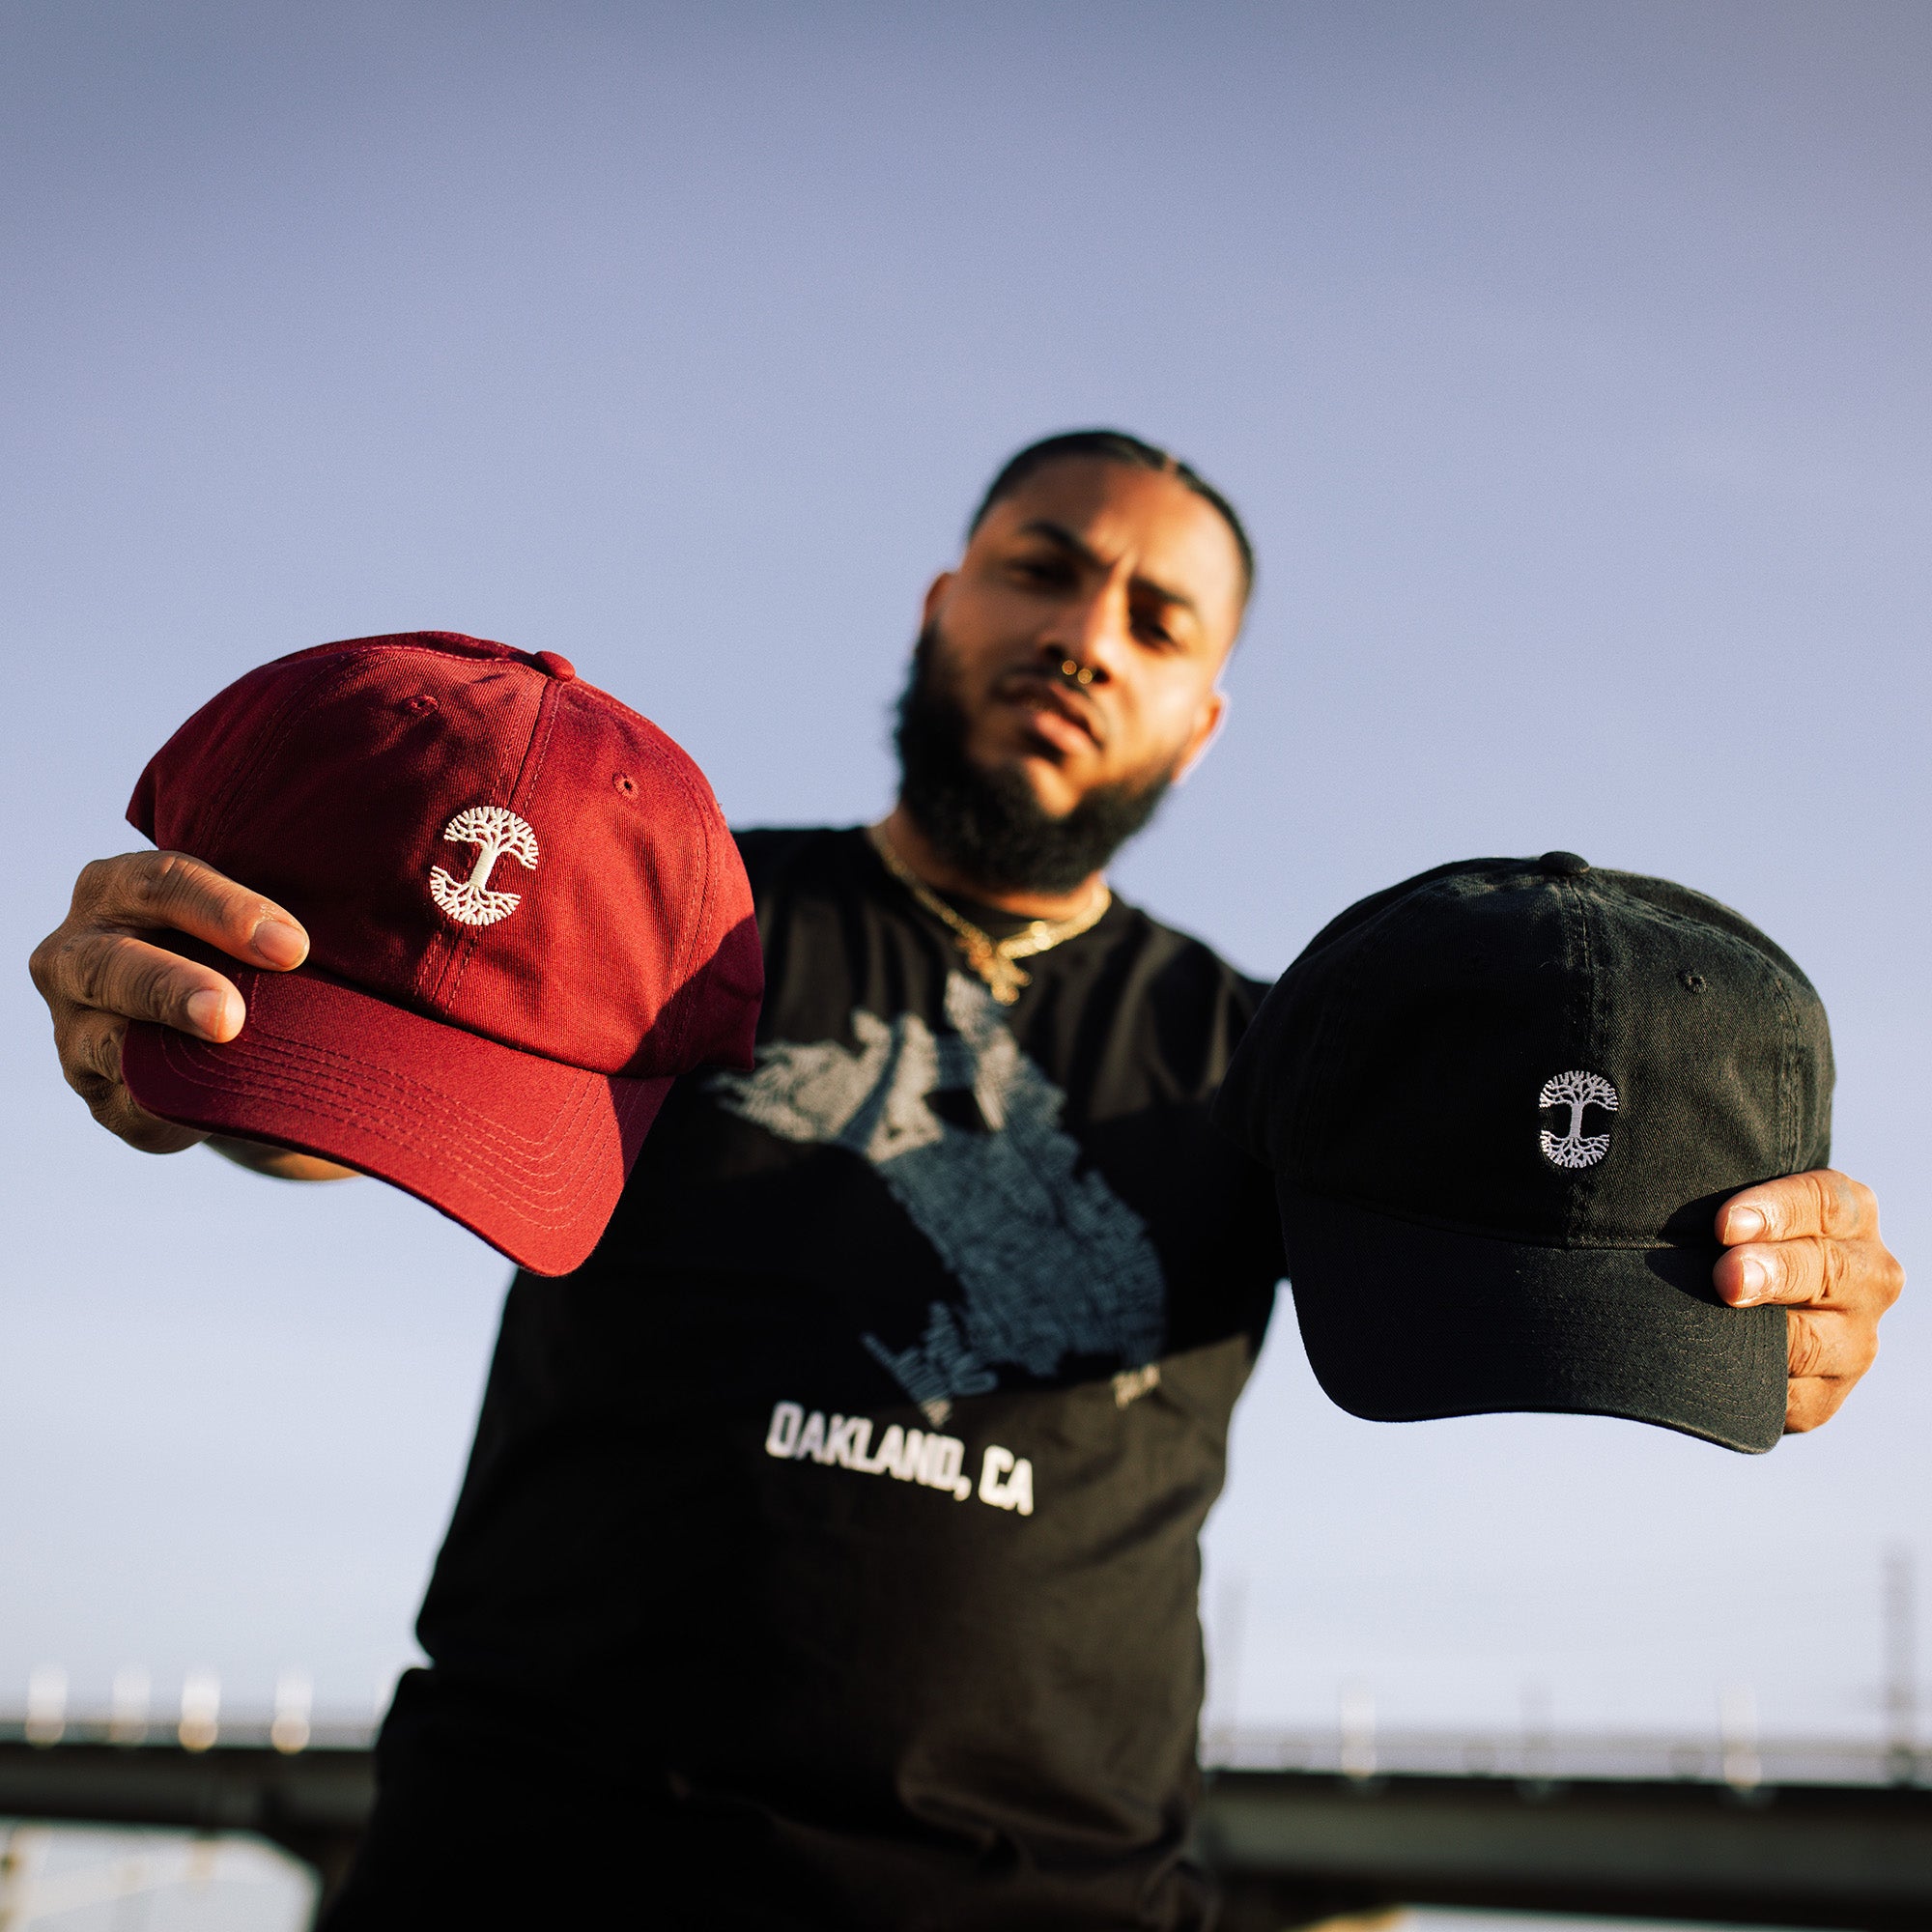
pixel 1810 1242
pixel 1861 1276
pixel 1823 1202
pixel 1814 1270
pixel 119 1115
pixel 1812 1400
pixel 97 973
pixel 1819 1343
pixel 91 1061
pixel 91 1054
pixel 149 891
pixel 110 972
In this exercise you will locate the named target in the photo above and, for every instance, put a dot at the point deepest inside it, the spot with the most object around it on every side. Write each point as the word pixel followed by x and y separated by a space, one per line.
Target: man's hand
pixel 1811 1241
pixel 97 971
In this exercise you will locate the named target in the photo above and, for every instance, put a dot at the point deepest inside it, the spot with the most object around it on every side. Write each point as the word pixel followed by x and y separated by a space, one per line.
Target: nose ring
pixel 1076 673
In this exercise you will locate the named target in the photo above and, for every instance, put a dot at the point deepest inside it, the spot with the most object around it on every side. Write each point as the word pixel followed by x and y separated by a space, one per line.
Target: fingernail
pixel 1756 1277
pixel 1746 1224
pixel 205 1010
pixel 279 942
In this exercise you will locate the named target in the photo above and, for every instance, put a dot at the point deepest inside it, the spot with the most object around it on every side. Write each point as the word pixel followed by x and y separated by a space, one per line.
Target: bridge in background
pixel 1299 1827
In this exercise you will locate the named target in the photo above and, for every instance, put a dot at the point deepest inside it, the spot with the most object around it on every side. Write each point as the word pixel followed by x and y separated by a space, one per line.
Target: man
pixel 828 1553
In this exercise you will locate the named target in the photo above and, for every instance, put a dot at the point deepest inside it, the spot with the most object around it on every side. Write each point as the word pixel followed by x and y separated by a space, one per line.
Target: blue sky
pixel 1568 363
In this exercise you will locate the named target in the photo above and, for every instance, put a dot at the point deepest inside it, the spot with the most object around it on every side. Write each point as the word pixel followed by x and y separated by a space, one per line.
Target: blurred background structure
pixel 1569 364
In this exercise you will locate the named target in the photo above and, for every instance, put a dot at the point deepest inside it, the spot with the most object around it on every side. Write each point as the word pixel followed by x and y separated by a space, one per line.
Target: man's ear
pixel 935 596
pixel 1206 728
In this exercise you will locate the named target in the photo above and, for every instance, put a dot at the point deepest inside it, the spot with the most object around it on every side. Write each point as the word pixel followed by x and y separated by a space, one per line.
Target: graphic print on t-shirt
pixel 1051 1262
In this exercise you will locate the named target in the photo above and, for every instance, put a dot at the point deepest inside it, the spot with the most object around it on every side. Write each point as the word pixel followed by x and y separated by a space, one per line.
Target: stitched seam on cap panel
pixel 1702 930
pixel 349 655
pixel 519 795
pixel 397 1090
pixel 445 940
pixel 363 1078
pixel 1335 1028
pixel 551 1206
pixel 1583 1184
pixel 281 725
pixel 410 1007
pixel 361 1103
pixel 1750 958
pixel 555 1206
pixel 465 942
pixel 706 808
pixel 683 1010
pixel 1792 1151
pixel 1792 1154
pixel 279 721
pixel 1712 1245
pixel 1738 947
pixel 549 706
pixel 670 762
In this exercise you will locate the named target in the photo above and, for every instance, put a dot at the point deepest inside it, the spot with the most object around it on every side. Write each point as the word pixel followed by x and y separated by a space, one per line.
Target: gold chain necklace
pixel 995 960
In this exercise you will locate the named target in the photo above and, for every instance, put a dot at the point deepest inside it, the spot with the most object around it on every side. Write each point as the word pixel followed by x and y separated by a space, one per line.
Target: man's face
pixel 1125 575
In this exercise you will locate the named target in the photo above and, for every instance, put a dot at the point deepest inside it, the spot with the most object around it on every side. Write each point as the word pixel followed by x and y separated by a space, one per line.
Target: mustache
pixel 1052 691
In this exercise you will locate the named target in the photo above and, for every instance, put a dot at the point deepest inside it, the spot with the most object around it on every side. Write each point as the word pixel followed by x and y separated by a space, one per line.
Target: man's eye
pixel 1043 570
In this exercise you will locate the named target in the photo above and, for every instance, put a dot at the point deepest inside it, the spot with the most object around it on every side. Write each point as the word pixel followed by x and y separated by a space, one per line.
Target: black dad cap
pixel 1503 1101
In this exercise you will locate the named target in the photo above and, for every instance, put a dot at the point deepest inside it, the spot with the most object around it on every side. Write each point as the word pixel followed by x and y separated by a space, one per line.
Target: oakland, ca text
pixel 907 1455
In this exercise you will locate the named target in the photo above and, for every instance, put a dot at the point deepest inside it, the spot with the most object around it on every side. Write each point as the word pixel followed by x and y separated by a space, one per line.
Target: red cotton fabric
pixel 527 916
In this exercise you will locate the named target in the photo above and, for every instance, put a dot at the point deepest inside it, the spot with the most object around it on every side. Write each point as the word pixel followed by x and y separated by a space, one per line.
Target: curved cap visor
pixel 1404 1323
pixel 528 1153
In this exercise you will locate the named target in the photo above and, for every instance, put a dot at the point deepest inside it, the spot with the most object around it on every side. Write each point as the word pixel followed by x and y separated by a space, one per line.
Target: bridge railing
pixel 1741 1761
pixel 1298 1825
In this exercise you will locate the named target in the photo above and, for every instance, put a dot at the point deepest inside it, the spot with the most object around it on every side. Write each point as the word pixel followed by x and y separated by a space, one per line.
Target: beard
pixel 989 824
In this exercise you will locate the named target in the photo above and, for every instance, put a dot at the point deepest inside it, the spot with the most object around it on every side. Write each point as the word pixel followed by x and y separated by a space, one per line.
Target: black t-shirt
pixel 846 1500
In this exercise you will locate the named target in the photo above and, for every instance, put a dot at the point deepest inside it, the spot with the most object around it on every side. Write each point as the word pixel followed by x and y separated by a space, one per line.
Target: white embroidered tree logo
pixel 494 831
pixel 1576 1091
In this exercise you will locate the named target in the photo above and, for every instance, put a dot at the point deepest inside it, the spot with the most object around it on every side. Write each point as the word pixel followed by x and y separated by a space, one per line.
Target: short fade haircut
pixel 1115 445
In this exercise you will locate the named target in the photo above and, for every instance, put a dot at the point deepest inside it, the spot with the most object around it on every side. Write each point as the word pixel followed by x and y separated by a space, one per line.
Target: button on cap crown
pixel 1563 865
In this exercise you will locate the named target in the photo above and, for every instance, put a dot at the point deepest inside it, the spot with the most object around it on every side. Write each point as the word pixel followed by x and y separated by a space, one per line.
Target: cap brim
pixel 1404 1323
pixel 527 1153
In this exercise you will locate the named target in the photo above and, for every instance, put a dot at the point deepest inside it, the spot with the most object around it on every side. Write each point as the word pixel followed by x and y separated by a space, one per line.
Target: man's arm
pixel 1811 1241
pixel 97 971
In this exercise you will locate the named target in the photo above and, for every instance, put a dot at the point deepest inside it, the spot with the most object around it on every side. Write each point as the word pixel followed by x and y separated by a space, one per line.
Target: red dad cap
pixel 526 915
